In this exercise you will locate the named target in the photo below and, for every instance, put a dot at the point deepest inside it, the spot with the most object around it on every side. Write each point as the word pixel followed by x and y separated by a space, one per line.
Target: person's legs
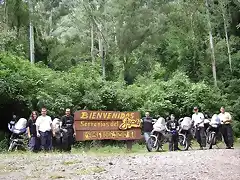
pixel 224 134
pixel 43 140
pixel 32 143
pixel 203 137
pixel 229 135
pixel 171 141
pixel 70 140
pixel 146 136
pixel 37 143
pixel 175 142
pixel 65 141
pixel 48 140
pixel 198 138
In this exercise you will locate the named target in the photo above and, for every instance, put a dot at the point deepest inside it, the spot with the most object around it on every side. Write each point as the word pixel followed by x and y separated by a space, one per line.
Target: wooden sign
pixel 99 125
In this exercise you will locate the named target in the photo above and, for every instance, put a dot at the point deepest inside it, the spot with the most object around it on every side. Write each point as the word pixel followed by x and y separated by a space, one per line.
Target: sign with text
pixel 99 125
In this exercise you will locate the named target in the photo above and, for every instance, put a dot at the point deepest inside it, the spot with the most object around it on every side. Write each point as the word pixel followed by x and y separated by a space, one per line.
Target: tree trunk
pixel 17 9
pixel 211 46
pixel 5 14
pixel 92 43
pixel 101 53
pixel 226 36
pixel 115 35
pixel 31 33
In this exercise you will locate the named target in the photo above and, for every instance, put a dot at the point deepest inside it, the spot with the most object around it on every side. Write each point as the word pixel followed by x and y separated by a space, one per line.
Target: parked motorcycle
pixel 18 139
pixel 159 136
pixel 185 132
pixel 212 133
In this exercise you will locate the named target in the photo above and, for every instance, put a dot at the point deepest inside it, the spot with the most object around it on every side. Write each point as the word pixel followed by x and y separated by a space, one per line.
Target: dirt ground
pixel 213 164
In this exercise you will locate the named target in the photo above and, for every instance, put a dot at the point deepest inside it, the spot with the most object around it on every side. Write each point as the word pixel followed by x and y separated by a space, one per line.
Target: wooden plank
pixel 94 125
pixel 111 135
pixel 104 115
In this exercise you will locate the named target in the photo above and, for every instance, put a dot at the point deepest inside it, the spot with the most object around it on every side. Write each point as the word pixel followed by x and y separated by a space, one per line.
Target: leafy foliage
pixel 156 55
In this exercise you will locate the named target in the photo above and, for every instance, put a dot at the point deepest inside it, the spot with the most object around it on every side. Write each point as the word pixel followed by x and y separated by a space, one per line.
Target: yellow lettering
pixel 132 134
pixel 90 117
pixel 105 115
pixel 115 124
pixel 99 115
pixel 94 115
pixel 109 116
pixel 122 116
pixel 81 123
pixel 84 115
pixel 132 115
pixel 114 115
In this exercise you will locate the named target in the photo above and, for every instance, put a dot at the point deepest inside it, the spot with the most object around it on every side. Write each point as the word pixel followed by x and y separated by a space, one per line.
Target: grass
pixel 90 170
pixel 103 151
pixel 67 163
pixel 57 177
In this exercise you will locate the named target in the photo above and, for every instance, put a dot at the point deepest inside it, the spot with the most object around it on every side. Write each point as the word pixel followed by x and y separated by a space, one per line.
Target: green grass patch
pixel 90 170
pixel 67 163
pixel 57 177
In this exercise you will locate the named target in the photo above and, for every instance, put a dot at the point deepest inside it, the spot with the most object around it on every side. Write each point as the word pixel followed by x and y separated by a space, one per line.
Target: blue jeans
pixel 34 144
pixel 46 140
pixel 146 136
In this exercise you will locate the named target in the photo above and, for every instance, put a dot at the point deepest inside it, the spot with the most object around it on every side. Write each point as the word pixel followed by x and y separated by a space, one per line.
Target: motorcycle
pixel 186 132
pixel 212 132
pixel 159 136
pixel 18 138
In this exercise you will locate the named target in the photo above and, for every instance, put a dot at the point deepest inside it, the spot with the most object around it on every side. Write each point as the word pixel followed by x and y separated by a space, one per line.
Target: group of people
pixel 44 136
pixel 197 121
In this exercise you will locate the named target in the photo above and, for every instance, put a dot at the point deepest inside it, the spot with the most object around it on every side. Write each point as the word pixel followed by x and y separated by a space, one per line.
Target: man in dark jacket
pixel 172 126
pixel 68 124
pixel 147 126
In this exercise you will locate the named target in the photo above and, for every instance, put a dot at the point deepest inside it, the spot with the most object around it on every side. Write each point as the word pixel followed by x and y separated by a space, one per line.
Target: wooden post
pixel 129 145
pixel 87 145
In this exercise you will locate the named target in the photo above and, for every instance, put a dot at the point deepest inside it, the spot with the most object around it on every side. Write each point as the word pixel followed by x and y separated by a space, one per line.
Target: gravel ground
pixel 216 164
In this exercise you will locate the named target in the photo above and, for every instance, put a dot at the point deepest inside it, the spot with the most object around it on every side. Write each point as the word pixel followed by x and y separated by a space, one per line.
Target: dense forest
pixel 162 56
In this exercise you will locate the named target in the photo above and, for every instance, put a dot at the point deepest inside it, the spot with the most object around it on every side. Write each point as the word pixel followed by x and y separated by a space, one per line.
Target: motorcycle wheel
pixel 183 143
pixel 212 139
pixel 153 144
pixel 12 146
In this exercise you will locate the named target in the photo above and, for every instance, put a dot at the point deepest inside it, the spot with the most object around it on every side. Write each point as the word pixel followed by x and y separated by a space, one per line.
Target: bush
pixel 3 141
pixel 82 86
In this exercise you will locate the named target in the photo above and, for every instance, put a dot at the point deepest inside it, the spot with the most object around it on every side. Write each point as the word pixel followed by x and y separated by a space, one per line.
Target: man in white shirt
pixel 198 120
pixel 45 130
pixel 226 128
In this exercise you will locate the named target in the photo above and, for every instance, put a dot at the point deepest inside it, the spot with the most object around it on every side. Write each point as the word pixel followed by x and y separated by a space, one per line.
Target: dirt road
pixel 218 164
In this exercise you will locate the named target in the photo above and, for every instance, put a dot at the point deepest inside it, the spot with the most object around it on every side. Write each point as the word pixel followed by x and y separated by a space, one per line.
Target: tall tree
pixel 211 44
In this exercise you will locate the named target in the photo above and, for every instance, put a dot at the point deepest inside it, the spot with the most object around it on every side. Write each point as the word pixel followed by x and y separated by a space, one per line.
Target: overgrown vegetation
pixel 121 55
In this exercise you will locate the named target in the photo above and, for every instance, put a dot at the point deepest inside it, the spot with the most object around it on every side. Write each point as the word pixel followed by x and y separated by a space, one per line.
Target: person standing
pixel 68 124
pixel 198 120
pixel 12 123
pixel 147 126
pixel 172 126
pixel 34 141
pixel 45 130
pixel 226 128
